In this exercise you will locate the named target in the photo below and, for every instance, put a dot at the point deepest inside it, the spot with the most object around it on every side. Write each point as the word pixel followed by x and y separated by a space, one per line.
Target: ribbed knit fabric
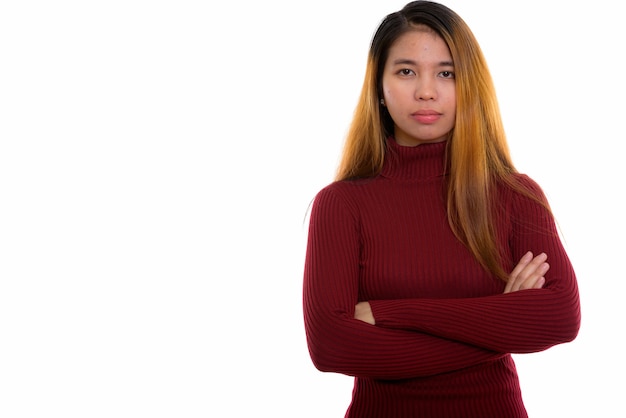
pixel 444 330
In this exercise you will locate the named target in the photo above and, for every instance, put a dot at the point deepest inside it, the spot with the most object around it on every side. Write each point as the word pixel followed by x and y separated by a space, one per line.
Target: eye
pixel 447 74
pixel 406 72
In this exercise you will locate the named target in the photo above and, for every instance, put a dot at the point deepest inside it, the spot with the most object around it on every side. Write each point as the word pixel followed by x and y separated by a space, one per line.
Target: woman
pixel 427 258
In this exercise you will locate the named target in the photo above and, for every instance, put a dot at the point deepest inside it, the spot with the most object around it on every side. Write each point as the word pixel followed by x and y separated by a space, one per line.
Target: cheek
pixel 392 97
pixel 387 89
pixel 387 94
pixel 451 95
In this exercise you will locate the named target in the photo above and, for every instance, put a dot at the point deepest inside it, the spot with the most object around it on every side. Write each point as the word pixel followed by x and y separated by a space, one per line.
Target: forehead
pixel 420 41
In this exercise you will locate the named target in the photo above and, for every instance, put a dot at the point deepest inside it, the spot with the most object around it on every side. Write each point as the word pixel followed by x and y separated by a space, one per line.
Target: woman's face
pixel 419 88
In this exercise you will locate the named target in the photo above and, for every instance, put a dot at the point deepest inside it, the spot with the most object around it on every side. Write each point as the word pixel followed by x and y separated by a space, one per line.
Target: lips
pixel 426 116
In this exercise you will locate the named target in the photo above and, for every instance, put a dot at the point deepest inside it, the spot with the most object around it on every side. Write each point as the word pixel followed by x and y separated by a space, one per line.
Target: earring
pixel 382 102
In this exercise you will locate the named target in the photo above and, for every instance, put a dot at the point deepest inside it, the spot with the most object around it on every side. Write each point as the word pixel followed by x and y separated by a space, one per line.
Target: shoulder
pixel 526 204
pixel 340 195
pixel 530 184
pixel 335 205
pixel 521 186
pixel 347 189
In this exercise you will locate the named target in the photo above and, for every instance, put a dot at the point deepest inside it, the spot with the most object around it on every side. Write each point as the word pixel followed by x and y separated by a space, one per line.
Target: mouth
pixel 426 116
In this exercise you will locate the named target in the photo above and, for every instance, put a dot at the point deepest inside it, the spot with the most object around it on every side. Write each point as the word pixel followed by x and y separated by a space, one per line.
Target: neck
pixel 421 162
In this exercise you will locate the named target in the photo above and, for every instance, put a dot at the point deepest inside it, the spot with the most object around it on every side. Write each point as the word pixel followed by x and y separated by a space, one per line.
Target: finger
pixel 522 263
pixel 526 274
pixel 537 279
pixel 530 277
pixel 536 262
pixel 539 284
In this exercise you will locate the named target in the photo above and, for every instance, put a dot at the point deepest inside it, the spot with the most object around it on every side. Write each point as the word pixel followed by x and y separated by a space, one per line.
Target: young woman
pixel 427 258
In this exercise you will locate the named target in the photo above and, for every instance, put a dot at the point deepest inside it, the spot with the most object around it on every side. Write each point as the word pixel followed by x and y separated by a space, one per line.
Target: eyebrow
pixel 405 61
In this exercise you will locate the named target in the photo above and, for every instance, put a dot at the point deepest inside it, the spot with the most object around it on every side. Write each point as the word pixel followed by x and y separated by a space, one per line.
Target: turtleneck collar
pixel 422 162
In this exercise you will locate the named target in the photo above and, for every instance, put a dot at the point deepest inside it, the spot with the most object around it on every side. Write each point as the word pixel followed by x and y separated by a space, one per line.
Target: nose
pixel 425 90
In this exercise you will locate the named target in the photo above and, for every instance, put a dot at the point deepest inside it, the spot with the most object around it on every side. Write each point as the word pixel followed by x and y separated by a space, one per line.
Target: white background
pixel 157 160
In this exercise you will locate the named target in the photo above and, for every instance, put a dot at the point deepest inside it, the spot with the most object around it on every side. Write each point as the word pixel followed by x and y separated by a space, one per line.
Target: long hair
pixel 477 154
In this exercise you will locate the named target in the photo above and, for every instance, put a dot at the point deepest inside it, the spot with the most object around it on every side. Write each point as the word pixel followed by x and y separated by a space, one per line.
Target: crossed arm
pixel 529 273
pixel 404 338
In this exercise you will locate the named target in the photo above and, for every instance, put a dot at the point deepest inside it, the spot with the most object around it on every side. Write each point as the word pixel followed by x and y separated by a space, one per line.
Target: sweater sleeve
pixel 339 343
pixel 518 322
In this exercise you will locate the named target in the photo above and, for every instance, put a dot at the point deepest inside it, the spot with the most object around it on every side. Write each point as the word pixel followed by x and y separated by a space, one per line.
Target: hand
pixel 528 274
pixel 363 312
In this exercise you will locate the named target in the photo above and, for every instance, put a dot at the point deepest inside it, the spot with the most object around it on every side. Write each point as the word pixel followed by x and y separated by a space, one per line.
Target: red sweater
pixel 444 330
